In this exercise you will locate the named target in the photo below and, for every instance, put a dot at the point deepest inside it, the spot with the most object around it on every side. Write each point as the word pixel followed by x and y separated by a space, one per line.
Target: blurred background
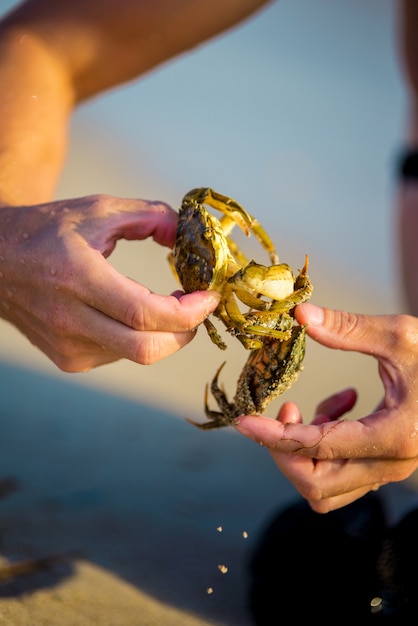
pixel 298 114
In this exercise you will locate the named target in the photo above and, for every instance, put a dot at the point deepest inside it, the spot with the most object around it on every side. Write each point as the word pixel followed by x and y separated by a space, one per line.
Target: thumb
pixel 368 334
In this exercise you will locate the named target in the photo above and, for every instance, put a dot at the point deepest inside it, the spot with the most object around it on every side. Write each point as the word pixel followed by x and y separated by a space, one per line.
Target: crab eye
pixel 208 233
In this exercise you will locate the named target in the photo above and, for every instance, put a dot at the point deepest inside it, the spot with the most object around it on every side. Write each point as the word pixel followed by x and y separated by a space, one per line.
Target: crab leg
pixel 217 418
pixel 234 213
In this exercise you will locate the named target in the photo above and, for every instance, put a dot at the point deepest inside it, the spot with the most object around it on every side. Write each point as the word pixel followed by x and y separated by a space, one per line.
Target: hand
pixel 332 462
pixel 58 289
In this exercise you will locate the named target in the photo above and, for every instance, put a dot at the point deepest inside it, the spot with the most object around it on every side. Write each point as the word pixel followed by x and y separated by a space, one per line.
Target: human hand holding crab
pixel 333 462
pixel 59 290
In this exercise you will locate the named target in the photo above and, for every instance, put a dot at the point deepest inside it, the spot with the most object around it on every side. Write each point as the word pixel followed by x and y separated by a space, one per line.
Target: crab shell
pixel 269 372
pixel 201 254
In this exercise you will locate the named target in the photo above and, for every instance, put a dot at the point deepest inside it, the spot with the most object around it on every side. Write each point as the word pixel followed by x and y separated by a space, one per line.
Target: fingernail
pixel 314 314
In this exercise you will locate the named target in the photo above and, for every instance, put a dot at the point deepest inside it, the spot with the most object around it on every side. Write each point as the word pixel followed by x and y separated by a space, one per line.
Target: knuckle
pixel 70 365
pixel 148 351
pixel 67 357
pixel 406 449
pixel 321 507
pixel 348 325
pixel 144 318
pixel 311 492
pixel 405 332
pixel 135 317
pixel 153 347
pixel 100 203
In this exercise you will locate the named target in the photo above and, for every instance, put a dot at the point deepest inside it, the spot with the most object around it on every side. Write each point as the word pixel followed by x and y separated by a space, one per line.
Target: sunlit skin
pixel 90 314
pixel 332 461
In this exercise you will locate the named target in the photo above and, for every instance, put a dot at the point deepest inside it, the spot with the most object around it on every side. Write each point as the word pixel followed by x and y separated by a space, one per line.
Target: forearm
pixel 55 54
pixel 106 42
pixel 35 101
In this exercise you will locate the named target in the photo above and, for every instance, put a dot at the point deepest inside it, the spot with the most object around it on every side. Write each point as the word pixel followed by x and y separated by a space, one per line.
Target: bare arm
pixel 55 54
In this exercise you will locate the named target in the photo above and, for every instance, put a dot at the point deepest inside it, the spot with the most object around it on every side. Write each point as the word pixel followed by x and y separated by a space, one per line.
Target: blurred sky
pixel 298 114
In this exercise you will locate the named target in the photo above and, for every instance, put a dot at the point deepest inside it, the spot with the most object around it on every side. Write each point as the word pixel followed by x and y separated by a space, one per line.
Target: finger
pixel 305 477
pixel 291 436
pixel 319 481
pixel 338 502
pixel 370 437
pixel 301 472
pixel 86 338
pixel 103 288
pixel 70 354
pixel 325 491
pixel 335 406
pixel 329 409
pixel 106 219
pixel 158 221
pixel 380 336
pixel 289 414
pixel 144 347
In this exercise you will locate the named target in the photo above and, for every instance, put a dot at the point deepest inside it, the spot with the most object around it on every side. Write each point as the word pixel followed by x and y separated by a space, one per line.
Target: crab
pixel 269 371
pixel 205 257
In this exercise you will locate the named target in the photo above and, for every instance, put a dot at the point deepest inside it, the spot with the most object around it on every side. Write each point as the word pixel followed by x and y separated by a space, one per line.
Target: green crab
pixel 269 371
pixel 205 257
